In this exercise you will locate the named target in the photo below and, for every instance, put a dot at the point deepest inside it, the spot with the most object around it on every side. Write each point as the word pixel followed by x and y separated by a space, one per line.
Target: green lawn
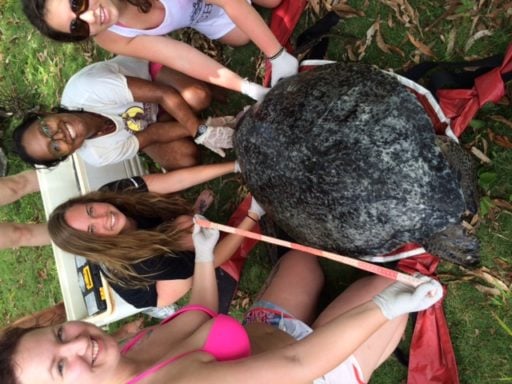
pixel 34 71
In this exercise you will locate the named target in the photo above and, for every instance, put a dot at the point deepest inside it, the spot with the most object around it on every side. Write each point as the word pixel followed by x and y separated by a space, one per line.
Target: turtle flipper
pixel 456 245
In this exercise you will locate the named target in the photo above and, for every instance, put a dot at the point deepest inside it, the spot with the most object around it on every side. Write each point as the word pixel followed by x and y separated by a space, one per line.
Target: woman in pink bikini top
pixel 197 345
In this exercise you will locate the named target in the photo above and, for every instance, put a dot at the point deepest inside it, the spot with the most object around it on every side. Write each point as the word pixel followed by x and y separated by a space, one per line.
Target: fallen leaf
pixel 315 5
pixel 502 119
pixel 475 37
pixel 346 10
pixel 419 45
pixel 487 290
pixel 379 39
pixel 451 41
pixel 350 52
pixel 480 155
pixel 503 204
pixel 502 141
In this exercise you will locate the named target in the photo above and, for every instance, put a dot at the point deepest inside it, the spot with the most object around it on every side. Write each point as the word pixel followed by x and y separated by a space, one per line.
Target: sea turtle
pixel 345 158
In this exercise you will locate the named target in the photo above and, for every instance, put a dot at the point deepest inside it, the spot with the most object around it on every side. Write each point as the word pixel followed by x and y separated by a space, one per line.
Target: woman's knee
pixel 198 96
pixel 235 38
pixel 267 3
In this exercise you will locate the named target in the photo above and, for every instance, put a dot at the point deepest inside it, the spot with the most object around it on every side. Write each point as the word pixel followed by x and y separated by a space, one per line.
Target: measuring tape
pixel 376 269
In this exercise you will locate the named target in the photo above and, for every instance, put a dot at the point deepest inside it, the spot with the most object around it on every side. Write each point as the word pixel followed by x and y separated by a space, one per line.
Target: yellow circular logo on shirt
pixel 134 119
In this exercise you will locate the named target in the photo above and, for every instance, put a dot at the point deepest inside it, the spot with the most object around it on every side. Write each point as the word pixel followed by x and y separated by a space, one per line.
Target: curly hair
pixel 35 11
pixel 119 253
pixel 9 341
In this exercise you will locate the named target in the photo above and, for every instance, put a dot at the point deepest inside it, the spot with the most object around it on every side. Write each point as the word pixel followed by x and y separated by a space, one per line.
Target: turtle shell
pixel 344 158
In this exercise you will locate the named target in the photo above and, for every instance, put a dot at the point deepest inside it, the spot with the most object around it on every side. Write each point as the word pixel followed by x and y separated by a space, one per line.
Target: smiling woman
pixel 140 28
pixel 102 219
pixel 90 347
pixel 141 238
pixel 48 139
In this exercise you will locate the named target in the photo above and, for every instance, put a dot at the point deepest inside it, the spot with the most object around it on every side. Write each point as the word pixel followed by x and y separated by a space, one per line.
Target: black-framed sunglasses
pixel 55 148
pixel 78 27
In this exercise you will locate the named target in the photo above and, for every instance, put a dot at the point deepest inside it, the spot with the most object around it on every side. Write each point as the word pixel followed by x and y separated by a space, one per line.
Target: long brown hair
pixel 119 253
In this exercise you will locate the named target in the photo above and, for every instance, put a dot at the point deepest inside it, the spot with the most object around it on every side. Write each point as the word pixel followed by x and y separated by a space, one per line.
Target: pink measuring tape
pixel 378 270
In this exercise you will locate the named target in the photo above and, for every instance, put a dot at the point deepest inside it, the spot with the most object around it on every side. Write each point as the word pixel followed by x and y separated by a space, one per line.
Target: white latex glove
pixel 283 65
pixel 399 298
pixel 256 208
pixel 253 90
pixel 237 167
pixel 205 240
pixel 216 139
pixel 221 121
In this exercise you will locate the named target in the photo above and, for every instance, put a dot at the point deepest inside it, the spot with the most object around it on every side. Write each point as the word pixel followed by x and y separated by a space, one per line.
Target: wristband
pixel 277 54
pixel 252 218
pixel 200 130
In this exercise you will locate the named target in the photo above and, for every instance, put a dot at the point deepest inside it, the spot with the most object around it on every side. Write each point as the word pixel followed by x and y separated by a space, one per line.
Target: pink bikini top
pixel 227 340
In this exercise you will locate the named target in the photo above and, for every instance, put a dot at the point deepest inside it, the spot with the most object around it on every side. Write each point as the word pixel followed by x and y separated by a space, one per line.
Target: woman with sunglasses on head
pixel 140 235
pixel 139 27
pixel 348 340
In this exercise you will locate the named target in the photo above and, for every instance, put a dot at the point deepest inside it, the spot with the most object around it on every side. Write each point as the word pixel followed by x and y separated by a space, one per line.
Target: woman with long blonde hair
pixel 141 235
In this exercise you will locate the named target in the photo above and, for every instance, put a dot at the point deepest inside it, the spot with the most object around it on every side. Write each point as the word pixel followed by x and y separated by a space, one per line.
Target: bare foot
pixel 203 201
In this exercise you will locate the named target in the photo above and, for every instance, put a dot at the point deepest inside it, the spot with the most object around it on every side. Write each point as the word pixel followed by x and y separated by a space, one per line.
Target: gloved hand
pixel 256 208
pixel 205 240
pixel 399 298
pixel 283 65
pixel 221 121
pixel 237 167
pixel 216 138
pixel 253 90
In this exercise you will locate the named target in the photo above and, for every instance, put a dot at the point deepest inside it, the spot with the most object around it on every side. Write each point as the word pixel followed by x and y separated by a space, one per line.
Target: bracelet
pixel 277 54
pixel 252 218
pixel 202 128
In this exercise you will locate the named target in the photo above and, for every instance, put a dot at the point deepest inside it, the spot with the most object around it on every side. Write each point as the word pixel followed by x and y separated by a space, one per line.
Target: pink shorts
pixel 154 70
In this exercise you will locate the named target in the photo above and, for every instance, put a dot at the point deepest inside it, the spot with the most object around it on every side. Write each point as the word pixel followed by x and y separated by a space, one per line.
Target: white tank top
pixel 178 14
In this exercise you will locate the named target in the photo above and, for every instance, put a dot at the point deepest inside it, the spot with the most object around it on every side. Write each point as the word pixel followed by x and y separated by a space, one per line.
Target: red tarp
pixel 461 105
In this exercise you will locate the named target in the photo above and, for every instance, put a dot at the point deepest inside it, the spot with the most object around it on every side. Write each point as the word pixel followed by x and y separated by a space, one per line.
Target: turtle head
pixel 456 245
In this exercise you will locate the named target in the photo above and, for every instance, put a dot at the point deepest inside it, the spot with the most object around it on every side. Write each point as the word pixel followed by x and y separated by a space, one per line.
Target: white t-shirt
pixel 102 88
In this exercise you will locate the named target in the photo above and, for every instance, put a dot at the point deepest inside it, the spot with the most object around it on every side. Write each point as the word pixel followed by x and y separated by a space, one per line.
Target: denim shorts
pixel 348 372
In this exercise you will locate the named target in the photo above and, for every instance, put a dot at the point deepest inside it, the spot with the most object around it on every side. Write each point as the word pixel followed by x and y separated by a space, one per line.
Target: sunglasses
pixel 78 27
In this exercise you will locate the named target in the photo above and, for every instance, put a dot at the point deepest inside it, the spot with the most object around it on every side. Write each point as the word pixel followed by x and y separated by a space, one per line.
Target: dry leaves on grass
pixel 319 7
pixel 422 47
pixel 478 35
pixel 404 12
pixel 495 285
pixel 242 301
pixel 501 140
pixel 502 120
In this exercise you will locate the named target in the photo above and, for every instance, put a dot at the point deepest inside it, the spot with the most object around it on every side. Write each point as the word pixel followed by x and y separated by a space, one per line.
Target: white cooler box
pixel 69 179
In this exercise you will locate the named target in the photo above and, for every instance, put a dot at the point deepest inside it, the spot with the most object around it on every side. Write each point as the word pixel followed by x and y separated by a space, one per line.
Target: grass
pixel 34 71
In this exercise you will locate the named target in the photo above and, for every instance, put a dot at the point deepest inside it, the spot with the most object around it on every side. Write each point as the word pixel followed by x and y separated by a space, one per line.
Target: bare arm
pixel 166 96
pixel 170 291
pixel 204 284
pixel 229 244
pixel 161 132
pixel 173 54
pixel 251 23
pixel 187 177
